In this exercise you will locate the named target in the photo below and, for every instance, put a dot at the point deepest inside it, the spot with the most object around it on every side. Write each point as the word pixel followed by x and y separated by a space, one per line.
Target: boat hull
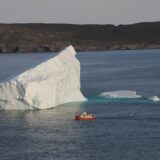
pixel 79 118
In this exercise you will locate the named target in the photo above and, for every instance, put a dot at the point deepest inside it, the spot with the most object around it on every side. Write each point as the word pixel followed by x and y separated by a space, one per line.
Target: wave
pixel 120 94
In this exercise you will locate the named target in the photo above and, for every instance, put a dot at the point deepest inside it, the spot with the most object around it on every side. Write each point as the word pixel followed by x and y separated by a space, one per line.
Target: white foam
pixel 53 82
pixel 120 94
pixel 154 98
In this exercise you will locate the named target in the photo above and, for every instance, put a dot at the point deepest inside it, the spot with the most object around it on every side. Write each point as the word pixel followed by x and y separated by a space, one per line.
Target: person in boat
pixel 85 114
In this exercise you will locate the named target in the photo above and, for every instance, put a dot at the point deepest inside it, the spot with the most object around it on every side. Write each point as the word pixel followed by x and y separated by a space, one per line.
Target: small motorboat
pixel 85 116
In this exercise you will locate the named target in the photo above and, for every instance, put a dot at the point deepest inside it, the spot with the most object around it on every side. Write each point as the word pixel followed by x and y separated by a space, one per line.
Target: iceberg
pixel 53 82
pixel 154 99
pixel 120 94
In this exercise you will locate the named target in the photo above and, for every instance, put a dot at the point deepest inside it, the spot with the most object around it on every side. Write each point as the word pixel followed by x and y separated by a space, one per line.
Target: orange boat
pixel 85 116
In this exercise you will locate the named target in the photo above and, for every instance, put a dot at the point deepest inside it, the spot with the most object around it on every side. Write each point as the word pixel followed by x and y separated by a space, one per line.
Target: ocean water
pixel 125 129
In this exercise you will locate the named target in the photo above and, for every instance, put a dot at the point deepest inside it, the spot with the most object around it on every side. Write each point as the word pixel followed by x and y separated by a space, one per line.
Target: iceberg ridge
pixel 53 82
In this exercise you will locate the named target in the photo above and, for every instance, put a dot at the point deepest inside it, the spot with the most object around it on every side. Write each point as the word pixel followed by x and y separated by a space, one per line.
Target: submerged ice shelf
pixel 120 94
pixel 53 82
pixel 155 99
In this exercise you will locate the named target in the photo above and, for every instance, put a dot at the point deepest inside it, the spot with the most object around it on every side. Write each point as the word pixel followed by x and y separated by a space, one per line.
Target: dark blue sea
pixel 125 128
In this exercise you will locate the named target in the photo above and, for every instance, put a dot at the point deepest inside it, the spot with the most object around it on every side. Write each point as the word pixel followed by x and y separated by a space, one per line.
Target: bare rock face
pixel 53 82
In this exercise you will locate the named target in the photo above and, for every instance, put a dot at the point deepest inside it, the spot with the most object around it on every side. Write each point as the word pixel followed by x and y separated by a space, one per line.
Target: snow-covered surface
pixel 155 99
pixel 53 82
pixel 120 94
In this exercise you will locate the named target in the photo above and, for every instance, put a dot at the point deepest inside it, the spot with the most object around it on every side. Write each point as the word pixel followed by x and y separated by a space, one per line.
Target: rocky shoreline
pixel 19 38
pixel 41 49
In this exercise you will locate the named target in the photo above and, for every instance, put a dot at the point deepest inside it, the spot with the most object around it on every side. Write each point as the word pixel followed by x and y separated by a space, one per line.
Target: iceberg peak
pixel 69 50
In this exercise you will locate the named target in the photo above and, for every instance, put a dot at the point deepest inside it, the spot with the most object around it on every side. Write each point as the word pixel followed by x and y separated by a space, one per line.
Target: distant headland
pixel 54 37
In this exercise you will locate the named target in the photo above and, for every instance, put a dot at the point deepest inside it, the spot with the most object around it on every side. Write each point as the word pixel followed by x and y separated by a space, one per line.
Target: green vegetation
pixel 53 37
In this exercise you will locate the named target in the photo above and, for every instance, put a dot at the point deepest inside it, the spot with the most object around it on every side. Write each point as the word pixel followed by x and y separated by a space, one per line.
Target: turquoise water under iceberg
pixel 126 128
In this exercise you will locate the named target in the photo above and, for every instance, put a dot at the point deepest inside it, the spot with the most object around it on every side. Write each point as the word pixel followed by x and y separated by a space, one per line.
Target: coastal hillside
pixel 54 37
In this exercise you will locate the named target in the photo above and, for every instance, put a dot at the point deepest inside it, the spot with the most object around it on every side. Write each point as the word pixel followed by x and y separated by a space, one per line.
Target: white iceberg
pixel 53 82
pixel 120 94
pixel 155 99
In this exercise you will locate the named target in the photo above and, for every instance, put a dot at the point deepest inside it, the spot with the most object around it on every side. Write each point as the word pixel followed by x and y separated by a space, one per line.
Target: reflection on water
pixel 40 133
pixel 53 134
pixel 125 129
